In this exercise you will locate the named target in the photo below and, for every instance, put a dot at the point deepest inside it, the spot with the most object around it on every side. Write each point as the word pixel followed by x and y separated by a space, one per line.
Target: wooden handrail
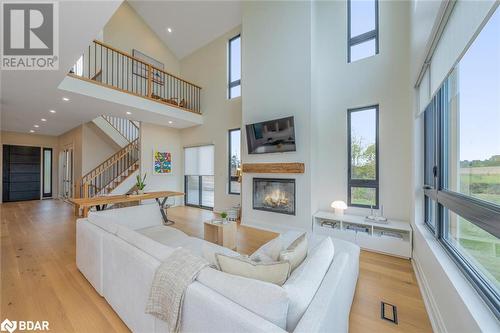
pixel 113 179
pixel 119 153
pixel 143 62
pixel 109 120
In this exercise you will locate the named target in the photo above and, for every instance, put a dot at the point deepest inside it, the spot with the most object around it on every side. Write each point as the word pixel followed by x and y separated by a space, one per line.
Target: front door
pixel 21 173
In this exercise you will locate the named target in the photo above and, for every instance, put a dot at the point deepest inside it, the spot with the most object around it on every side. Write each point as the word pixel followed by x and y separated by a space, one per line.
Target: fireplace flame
pixel 276 199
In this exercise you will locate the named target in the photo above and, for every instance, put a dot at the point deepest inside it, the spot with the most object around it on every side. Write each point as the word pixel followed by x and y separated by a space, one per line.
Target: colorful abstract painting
pixel 162 163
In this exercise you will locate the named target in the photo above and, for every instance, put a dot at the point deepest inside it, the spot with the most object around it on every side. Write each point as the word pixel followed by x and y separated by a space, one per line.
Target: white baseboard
pixel 429 301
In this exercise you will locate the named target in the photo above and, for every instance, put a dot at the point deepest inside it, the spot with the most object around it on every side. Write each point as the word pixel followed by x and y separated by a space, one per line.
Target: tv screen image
pixel 273 136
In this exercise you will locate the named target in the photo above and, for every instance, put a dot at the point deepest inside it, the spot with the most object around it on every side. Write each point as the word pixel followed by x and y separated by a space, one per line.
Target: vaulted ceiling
pixel 193 23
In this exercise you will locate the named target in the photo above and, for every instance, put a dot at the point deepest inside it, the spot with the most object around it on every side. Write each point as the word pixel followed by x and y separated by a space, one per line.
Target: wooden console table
pixel 101 202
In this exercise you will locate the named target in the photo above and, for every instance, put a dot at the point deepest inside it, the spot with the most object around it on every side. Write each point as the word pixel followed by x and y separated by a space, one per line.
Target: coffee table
pixel 223 234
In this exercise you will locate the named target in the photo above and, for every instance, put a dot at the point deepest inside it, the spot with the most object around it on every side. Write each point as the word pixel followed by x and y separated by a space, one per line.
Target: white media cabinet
pixel 392 237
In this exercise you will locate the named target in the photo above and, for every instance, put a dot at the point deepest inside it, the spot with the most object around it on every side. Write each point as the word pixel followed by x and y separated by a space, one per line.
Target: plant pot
pixel 140 191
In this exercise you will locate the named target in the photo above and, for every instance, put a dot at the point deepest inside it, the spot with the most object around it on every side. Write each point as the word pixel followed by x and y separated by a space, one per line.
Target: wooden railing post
pixel 150 81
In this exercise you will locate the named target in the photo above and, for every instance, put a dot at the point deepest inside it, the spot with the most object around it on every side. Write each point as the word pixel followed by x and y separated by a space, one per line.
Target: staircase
pixel 115 174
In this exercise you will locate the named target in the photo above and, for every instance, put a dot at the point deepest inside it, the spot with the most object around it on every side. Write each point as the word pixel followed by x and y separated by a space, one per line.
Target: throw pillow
pixel 296 252
pixel 271 250
pixel 275 272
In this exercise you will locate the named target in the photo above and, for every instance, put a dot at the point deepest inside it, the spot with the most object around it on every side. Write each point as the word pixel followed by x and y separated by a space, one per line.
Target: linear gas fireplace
pixel 274 195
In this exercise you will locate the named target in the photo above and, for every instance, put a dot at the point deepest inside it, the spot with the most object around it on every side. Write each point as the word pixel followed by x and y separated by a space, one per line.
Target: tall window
pixel 362 29
pixel 234 67
pixel 199 176
pixel 462 192
pixel 363 157
pixel 234 160
pixel 47 172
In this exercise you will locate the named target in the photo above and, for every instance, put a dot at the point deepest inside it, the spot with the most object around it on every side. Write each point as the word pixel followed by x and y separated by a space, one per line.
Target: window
pixel 47 172
pixel 462 146
pixel 234 67
pixel 234 160
pixel 199 176
pixel 362 29
pixel 363 157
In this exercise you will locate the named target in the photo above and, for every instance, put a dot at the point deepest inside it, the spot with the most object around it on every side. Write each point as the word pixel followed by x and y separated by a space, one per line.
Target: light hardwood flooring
pixel 40 281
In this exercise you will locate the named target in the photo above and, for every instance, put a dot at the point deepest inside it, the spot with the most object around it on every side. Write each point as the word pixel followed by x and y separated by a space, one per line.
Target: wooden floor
pixel 40 281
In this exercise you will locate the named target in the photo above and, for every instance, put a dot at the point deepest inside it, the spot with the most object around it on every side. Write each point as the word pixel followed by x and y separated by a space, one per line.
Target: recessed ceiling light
pixel 170 121
pixel 36 126
pixel 43 119
pixel 32 131
pixel 52 111
pixel 129 113
pixel 65 99
pixel 169 30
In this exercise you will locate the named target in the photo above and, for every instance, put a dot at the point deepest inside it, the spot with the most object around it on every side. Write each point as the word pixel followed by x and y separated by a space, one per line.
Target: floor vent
pixel 389 312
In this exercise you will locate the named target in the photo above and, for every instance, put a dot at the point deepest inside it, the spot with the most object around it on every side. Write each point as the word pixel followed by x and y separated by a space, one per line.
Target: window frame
pixel 232 84
pixel 483 214
pixel 364 37
pixel 365 183
pixel 231 178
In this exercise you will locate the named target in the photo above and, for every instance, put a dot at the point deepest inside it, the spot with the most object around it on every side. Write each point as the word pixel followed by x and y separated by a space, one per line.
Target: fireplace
pixel 274 195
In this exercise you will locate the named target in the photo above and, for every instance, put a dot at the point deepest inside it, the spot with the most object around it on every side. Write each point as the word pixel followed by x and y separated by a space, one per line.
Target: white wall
pixel 126 30
pixel 96 147
pixel 208 68
pixel 276 83
pixel 164 139
pixel 383 79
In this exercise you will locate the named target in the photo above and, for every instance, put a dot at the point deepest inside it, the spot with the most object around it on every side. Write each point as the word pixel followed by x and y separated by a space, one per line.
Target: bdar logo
pixel 24 325
pixel 8 325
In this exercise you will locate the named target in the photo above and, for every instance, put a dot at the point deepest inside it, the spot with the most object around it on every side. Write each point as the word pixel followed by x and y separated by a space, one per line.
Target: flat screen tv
pixel 273 136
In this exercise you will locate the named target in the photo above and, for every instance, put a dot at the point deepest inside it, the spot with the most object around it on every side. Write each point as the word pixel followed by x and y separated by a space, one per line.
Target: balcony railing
pixel 107 66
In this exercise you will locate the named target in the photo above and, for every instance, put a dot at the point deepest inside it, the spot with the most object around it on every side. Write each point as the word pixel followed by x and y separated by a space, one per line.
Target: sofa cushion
pixel 173 237
pixel 264 299
pixel 209 251
pixel 147 245
pixel 303 283
pixel 165 235
pixel 296 252
pixel 271 250
pixel 135 217
pixel 275 272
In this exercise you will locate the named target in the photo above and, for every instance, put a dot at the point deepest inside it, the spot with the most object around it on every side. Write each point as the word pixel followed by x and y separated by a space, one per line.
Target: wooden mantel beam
pixel 273 168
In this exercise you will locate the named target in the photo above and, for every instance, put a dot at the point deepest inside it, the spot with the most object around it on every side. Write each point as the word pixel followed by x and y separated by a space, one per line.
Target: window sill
pixel 484 319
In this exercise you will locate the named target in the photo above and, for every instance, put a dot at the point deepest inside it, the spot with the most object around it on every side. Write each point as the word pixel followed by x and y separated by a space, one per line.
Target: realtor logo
pixel 8 325
pixel 30 36
pixel 24 325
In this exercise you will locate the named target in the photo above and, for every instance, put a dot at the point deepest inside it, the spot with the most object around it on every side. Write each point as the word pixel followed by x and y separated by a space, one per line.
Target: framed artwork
pixel 162 163
pixel 141 69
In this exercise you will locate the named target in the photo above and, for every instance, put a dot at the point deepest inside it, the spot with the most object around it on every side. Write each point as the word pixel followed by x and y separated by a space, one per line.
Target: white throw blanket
pixel 170 282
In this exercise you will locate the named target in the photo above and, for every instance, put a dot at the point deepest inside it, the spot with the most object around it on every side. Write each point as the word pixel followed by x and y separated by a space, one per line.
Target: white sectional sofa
pixel 119 250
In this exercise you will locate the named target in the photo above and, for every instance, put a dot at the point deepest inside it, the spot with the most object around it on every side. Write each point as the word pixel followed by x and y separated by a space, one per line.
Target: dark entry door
pixel 21 173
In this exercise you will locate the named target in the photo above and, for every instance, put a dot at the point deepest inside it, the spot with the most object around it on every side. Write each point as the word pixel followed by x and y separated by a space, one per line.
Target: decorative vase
pixel 140 191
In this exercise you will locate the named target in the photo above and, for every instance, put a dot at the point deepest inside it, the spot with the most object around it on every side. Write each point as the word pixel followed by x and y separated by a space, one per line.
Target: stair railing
pixel 99 181
pixel 105 65
pixel 127 128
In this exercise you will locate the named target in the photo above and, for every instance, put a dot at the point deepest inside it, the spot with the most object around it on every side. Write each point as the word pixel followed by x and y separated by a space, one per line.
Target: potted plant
pixel 140 183
pixel 223 215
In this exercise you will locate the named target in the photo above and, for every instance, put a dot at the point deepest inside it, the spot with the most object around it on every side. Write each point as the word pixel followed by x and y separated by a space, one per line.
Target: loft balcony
pixel 112 75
